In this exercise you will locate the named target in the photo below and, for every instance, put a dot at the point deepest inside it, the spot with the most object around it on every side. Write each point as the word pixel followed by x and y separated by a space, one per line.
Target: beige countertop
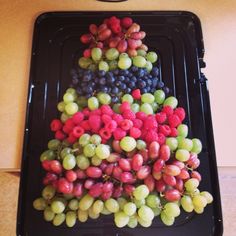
pixel 16 23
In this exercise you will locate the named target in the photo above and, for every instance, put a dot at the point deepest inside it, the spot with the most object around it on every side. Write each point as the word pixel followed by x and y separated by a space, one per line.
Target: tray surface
pixel 177 37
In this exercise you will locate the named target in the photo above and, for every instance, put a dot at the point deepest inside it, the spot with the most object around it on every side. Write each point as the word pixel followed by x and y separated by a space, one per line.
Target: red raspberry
pixel 85 125
pixel 106 118
pixel 67 129
pixel 95 122
pixel 168 110
pixel 126 22
pixel 138 123
pixel 143 134
pixel 126 124
pixel 151 136
pixel 180 112
pixel 128 115
pixel 161 117
pixel 150 122
pixel 78 117
pixel 135 132
pixel 56 125
pixel 141 115
pixel 106 109
pixel 69 123
pixel 60 135
pixel 104 141
pixel 119 134
pixel 161 138
pixel 111 126
pixel 174 121
pixel 87 53
pixel 174 132
pixel 86 112
pixel 96 112
pixel 113 20
pixel 165 129
pixel 105 134
pixel 78 131
pixel 71 139
pixel 124 106
pixel 136 94
pixel 118 118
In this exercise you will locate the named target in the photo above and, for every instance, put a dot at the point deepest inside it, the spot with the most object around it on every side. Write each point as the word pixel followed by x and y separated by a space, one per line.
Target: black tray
pixel 177 37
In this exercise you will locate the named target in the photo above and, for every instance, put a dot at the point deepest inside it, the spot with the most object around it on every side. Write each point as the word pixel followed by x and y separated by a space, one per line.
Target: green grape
pixel 68 98
pixel 129 208
pixel 64 152
pixel 82 215
pixel 112 54
pixel 186 144
pixel 121 201
pixel 112 205
pixel 144 223
pixel 208 196
pixel 103 65
pixel 92 214
pixel 59 219
pixel 159 96
pixel 182 130
pixel 182 155
pixel 199 210
pixel 149 66
pixel 72 91
pixel 199 201
pixel 187 203
pixel 147 98
pixel 89 150
pixel 57 206
pixel 48 192
pixel 145 213
pixel 172 143
pixel 68 196
pixel 146 108
pixel 141 144
pixel 82 162
pixel 124 63
pixel 74 204
pixel 53 144
pixel 155 107
pixel 86 202
pixel 141 192
pixel 71 108
pixel 152 57
pixel 64 117
pixel 116 108
pixel 98 206
pixel 123 55
pixel 48 214
pixel 61 106
pixel 121 219
pixel 104 98
pixel 156 211
pixel 113 64
pixel 171 209
pixel 135 107
pixel 139 61
pixel 93 103
pixel 60 199
pixel 102 151
pixel 191 184
pixel 47 155
pixel 95 139
pixel 70 218
pixel 153 201
pixel 171 101
pixel 105 211
pixel 69 162
pixel 96 54
pixel 167 220
pixel 133 221
pixel 93 67
pixel 82 101
pixel 141 52
pixel 39 204
pixel 84 139
pixel 96 161
pixel 128 143
pixel 139 203
pixel 85 62
pixel 197 146
pixel 127 98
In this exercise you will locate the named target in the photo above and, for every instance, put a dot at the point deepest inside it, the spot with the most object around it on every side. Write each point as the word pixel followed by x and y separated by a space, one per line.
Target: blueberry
pixel 96 80
pixel 142 84
pixel 148 89
pixel 154 83
pixel 166 89
pixel 121 78
pixel 121 72
pixel 155 71
pixel 102 81
pixel 109 74
pixel 160 84
pixel 87 78
pixel 79 90
pixel 104 89
pixel 117 83
pixel 116 72
pixel 115 99
pixel 131 84
pixel 115 90
pixel 130 74
pixel 153 90
pixel 149 82
pixel 133 79
pixel 110 80
pixel 126 72
pixel 134 68
pixel 143 90
pixel 122 86
pixel 75 81
pixel 101 73
pixel 89 89
pixel 128 90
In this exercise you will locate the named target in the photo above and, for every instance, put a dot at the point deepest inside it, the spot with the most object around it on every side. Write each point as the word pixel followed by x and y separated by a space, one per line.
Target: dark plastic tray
pixel 177 37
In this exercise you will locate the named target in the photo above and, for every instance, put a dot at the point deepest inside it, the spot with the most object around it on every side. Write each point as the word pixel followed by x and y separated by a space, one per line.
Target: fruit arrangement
pixel 120 146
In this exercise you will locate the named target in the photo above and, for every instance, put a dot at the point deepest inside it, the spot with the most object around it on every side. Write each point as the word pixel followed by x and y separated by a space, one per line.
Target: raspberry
pixel 135 132
pixel 85 125
pixel 87 53
pixel 78 131
pixel 78 117
pixel 71 139
pixel 151 136
pixel 180 112
pixel 60 135
pixel 174 121
pixel 86 111
pixel 126 22
pixel 96 112
pixel 161 138
pixel 150 122
pixel 56 125
pixel 143 134
pixel 113 21
pixel 124 106
pixel 67 129
pixel 106 118
pixel 111 126
pixel 168 110
pixel 106 109
pixel 69 123
pixel 95 122
pixel 104 141
pixel 117 118
pixel 161 117
pixel 136 94
pixel 119 134
pixel 141 115
pixel 126 124
pixel 165 129
pixel 105 134
pixel 174 132
pixel 128 115
pixel 138 123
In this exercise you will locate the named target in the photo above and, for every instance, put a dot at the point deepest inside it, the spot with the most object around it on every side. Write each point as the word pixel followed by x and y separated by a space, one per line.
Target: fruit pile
pixel 118 151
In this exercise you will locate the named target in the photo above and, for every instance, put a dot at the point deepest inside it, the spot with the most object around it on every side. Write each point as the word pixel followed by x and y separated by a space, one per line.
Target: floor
pixel 9 194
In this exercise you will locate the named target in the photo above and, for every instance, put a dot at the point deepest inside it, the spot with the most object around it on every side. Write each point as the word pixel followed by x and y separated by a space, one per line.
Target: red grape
pixel 179 164
pixel 109 169
pixel 104 34
pixel 114 157
pixel 64 186
pixel 172 195
pixel 143 172
pixel 172 170
pixel 56 167
pixel 156 175
pixel 160 185
pixel 46 165
pixel 124 164
pixel 116 146
pixel 137 162
pixel 106 195
pixel 196 175
pixel 71 175
pixel 179 184
pixel 117 172
pixel 89 183
pixel 94 172
pixel 80 174
pixel 184 174
pixel 153 150
pixel 126 177
pixel 122 46
pixel 107 187
pixel 168 179
pixel 164 152
pixel 49 178
pixel 78 190
pixel 158 165
pixel 86 38
pixel 150 182
pixel 117 191
pixel 93 29
pixel 128 188
pixel 144 154
pixel 96 190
